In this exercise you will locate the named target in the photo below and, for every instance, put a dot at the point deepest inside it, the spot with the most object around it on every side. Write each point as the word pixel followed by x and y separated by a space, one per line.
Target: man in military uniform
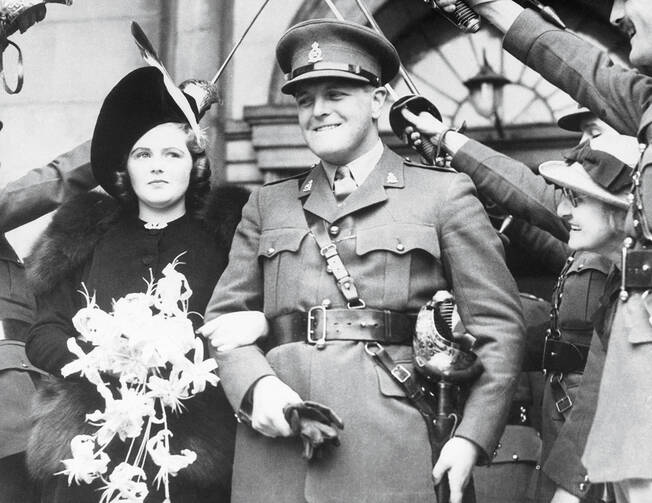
pixel 400 232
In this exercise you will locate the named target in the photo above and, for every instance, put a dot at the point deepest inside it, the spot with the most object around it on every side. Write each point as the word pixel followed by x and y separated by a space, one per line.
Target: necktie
pixel 343 183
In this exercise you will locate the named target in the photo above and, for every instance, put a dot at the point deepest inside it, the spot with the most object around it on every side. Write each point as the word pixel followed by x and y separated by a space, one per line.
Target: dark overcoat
pixel 91 240
pixel 405 233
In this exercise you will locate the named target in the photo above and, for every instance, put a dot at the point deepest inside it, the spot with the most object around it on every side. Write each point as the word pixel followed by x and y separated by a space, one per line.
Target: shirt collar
pixel 360 167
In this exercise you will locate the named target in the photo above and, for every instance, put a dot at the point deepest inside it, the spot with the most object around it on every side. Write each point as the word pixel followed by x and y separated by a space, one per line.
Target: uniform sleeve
pixel 41 190
pixel 549 250
pixel 512 185
pixel 621 97
pixel 564 465
pixel 240 288
pixel 489 307
pixel 46 345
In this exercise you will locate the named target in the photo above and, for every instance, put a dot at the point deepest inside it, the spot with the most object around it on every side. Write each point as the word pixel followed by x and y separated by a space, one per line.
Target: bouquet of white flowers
pixel 143 344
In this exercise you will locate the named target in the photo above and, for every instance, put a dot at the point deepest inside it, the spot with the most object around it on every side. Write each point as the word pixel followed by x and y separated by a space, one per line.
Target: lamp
pixel 486 92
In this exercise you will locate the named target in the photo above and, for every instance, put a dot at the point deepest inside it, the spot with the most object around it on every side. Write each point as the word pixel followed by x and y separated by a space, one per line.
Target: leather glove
pixel 316 424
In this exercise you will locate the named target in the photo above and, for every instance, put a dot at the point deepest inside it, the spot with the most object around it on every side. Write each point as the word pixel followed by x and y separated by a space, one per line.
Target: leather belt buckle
pixel 320 341
pixel 400 373
pixel 563 404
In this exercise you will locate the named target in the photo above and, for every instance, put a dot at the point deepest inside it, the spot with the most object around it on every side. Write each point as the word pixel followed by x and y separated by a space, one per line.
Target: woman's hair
pixel 198 186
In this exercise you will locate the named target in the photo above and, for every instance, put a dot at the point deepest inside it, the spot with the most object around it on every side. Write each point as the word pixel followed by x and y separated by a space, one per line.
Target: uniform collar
pixel 360 167
pixel 320 201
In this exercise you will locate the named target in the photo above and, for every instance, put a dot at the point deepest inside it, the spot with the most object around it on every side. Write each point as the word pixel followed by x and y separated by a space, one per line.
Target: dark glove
pixel 316 424
pixel 30 16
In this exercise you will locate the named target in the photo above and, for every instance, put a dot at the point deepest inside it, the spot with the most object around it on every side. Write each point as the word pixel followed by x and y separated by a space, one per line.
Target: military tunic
pixel 405 233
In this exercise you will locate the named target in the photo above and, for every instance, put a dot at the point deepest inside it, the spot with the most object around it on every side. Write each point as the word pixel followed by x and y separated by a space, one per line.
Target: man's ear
pixel 378 97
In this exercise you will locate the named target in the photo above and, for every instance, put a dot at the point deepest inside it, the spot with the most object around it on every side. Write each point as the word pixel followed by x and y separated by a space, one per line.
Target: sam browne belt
pixel 319 325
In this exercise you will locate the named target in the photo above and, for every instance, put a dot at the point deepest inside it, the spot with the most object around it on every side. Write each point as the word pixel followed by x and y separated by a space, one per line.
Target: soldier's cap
pixel 572 121
pixel 601 168
pixel 321 48
pixel 136 104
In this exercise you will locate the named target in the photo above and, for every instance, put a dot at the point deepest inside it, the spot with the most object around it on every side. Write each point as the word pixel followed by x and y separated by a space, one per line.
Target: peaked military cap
pixel 136 104
pixel 330 48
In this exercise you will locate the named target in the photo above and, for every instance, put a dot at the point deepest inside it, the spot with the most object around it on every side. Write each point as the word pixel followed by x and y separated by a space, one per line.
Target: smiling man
pixel 394 233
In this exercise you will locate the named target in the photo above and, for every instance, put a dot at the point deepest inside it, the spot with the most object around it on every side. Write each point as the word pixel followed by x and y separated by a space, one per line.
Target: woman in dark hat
pixel 147 156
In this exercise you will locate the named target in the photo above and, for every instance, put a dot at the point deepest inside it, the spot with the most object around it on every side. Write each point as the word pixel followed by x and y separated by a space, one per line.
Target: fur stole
pixel 207 427
pixel 68 241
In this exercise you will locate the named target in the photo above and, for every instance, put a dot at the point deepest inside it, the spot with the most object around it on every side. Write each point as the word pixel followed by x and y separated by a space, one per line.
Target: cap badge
pixel 308 186
pixel 391 178
pixel 315 53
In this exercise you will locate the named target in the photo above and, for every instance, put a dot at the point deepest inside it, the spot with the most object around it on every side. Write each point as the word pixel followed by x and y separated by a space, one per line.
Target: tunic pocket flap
pixel 274 241
pixel 399 238
pixel 518 444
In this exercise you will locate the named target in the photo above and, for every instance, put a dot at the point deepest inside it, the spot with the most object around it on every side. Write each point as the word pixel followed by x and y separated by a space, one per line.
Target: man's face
pixel 634 18
pixel 338 117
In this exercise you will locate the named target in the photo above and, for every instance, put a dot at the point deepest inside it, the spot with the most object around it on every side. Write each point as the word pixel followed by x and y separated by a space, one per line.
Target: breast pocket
pixel 405 259
pixel 278 254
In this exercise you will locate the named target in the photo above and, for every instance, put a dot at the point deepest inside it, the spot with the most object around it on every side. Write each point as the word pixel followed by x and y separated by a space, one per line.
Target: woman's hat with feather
pixel 143 99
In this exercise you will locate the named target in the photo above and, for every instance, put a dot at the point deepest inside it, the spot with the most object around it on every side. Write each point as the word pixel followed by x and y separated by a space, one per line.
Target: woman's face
pixel 159 166
pixel 590 222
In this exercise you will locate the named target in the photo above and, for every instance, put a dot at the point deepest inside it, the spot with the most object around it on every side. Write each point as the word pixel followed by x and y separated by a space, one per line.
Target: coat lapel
pixel 320 199
pixel 387 173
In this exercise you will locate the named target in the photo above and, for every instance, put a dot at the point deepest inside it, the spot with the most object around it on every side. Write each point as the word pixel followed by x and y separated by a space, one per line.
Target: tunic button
pixel 514 457
pixel 582 486
pixel 326 303
pixel 400 247
pixel 270 251
pixel 148 259
pixel 334 230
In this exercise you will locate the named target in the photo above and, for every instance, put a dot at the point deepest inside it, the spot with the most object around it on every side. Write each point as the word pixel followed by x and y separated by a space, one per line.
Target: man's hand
pixel 500 13
pixel 449 5
pixel 563 496
pixel 457 458
pixel 270 397
pixel 233 330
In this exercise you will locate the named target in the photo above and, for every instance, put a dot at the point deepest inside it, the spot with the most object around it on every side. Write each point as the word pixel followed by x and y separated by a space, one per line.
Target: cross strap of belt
pixel 335 266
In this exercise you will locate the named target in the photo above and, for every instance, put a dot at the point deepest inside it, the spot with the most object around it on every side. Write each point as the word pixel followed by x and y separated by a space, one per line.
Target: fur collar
pixel 68 241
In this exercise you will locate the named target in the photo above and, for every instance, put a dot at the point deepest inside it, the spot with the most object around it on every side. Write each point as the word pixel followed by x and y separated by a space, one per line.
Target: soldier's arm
pixel 240 288
pixel 489 306
pixel 41 190
pixel 507 182
pixel 619 96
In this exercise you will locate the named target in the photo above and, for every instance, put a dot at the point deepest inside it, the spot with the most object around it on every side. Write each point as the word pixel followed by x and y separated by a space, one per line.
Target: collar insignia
pixel 308 186
pixel 315 53
pixel 391 178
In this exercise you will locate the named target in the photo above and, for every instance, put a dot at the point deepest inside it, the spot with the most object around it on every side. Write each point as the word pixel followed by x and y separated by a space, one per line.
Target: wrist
pixel 500 13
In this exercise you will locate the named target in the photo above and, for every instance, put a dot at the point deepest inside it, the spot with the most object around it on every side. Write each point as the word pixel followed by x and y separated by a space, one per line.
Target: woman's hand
pixel 563 496
pixel 233 330
pixel 457 458
pixel 425 123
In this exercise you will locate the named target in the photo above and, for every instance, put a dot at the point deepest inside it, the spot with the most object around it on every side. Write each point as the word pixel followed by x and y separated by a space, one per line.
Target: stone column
pixel 196 36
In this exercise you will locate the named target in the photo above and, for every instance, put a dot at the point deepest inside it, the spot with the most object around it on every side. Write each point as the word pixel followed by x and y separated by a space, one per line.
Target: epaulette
pixel 413 164
pixel 302 174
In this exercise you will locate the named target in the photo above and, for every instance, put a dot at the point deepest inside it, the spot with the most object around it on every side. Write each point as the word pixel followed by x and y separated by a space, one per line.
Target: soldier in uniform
pixel 400 232
pixel 577 293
